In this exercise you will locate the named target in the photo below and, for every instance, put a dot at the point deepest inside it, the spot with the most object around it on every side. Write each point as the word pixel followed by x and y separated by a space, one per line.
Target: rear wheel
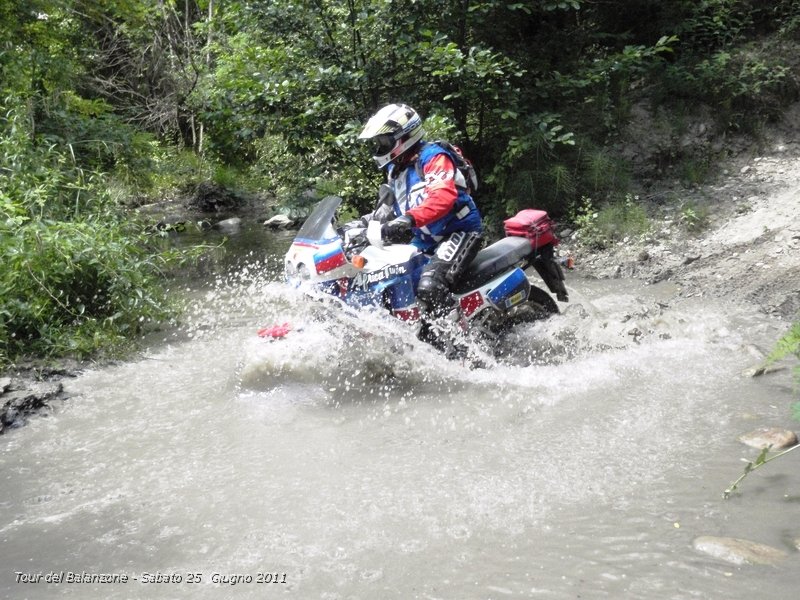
pixel 539 305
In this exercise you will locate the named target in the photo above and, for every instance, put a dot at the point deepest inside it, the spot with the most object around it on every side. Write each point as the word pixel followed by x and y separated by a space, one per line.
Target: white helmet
pixel 393 129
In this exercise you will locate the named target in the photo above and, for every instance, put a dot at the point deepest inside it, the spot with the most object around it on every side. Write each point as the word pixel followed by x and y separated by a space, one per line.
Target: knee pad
pixel 433 293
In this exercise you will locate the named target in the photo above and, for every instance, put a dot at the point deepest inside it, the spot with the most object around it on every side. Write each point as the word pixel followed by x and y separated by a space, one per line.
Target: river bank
pixel 33 389
pixel 747 249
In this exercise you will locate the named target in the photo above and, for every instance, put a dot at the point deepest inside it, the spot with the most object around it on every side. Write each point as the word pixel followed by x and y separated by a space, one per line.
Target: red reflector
pixel 471 303
pixel 411 314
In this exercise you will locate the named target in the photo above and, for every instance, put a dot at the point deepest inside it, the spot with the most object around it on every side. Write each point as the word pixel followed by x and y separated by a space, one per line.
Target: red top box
pixel 533 224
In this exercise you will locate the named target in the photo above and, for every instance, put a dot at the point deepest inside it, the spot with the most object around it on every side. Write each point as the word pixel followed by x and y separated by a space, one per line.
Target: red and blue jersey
pixel 435 195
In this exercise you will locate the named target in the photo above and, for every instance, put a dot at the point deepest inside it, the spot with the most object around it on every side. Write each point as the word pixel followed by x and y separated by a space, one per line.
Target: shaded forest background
pixel 107 103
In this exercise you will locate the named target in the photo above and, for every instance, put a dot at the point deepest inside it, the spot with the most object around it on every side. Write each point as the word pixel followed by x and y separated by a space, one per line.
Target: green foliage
pixel 600 84
pixel 75 279
pixel 744 83
pixel 611 222
pixel 788 345
pixel 717 23
pixel 534 168
pixel 76 287
pixel 762 459
pixel 694 170
pixel 604 174
pixel 745 77
pixel 174 168
pixel 77 276
pixel 310 78
pixel 694 217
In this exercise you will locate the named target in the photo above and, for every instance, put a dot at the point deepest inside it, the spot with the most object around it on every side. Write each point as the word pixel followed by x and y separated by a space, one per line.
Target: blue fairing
pixel 395 283
pixel 399 289
pixel 514 282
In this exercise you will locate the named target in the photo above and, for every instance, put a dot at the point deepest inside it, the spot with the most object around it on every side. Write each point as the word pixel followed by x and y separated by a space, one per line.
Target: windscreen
pixel 319 226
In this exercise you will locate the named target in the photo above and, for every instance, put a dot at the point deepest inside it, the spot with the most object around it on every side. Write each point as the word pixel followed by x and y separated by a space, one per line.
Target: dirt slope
pixel 750 250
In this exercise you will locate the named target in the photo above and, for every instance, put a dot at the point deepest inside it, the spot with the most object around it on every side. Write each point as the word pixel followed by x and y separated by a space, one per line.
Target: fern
pixel 562 180
pixel 788 344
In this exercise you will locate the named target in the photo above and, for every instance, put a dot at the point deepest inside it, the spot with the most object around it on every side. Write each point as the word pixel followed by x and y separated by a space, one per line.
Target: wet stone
pixel 278 222
pixel 738 551
pixel 232 225
pixel 762 370
pixel 16 404
pixel 766 436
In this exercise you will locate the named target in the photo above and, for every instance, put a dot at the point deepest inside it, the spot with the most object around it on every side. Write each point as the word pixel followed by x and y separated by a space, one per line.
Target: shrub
pixel 603 174
pixel 747 78
pixel 789 345
pixel 611 222
pixel 77 276
pixel 72 288
pixel 694 217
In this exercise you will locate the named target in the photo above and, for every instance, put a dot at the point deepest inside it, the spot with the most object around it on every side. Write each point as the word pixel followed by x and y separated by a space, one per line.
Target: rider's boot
pixel 448 334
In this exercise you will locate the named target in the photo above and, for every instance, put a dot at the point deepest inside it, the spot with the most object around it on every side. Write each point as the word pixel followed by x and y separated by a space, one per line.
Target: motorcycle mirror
pixel 374 234
pixel 354 236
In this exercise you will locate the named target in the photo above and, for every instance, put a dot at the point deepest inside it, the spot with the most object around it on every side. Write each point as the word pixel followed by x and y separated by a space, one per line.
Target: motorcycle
pixel 352 264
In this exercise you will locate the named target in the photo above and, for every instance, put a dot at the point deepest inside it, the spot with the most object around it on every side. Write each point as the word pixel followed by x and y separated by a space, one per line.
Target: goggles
pixel 383 144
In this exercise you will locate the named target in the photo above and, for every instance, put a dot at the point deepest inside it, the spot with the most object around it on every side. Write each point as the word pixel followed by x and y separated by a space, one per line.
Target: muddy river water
pixel 348 461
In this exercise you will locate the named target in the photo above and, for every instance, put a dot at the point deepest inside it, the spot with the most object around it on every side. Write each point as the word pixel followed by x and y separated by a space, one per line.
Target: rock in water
pixel 738 551
pixel 232 225
pixel 778 438
pixel 279 222
pixel 15 405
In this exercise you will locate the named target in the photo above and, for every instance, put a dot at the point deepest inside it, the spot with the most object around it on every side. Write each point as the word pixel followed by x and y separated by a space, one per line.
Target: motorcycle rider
pixel 432 204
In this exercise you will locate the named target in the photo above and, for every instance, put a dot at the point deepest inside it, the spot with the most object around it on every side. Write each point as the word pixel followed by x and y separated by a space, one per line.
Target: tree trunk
pixel 208 66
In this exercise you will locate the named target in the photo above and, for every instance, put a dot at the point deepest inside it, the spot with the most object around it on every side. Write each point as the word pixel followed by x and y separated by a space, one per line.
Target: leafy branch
pixel 751 466
pixel 788 344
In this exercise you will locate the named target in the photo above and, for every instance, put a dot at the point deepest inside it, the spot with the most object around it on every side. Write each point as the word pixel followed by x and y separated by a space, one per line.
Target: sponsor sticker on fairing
pixel 329 260
pixel 364 280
